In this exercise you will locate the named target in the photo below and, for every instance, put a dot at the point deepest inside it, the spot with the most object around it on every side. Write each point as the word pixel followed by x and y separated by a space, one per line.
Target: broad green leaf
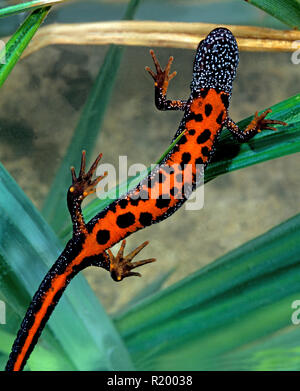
pixel 28 6
pixel 287 11
pixel 87 130
pixel 233 314
pixel 79 324
pixel 46 358
pixel 19 41
pixel 277 352
pixel 230 154
pixel 149 289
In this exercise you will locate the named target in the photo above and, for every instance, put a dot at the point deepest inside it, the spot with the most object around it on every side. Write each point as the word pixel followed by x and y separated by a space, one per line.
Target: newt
pixel 151 201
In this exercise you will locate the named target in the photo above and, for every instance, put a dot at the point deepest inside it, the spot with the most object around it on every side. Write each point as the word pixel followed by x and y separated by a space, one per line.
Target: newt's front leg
pixel 161 81
pixel 258 124
pixel 83 185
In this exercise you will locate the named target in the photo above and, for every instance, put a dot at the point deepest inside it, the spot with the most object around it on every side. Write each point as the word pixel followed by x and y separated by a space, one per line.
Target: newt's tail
pixel 40 310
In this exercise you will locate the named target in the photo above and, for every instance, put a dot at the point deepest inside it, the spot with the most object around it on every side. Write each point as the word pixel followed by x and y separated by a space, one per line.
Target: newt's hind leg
pixel 258 124
pixel 161 81
pixel 120 266
pixel 81 187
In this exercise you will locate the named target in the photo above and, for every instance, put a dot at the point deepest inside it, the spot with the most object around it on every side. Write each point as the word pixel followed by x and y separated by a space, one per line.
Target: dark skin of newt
pixel 205 114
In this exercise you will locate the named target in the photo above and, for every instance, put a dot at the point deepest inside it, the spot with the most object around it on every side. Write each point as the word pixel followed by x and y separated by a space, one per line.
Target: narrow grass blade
pixel 287 11
pixel 19 41
pixel 230 155
pixel 28 6
pixel 79 324
pixel 237 308
pixel 86 132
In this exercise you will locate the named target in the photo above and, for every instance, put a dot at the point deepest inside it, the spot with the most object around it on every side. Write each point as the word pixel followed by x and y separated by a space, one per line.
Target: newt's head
pixel 216 61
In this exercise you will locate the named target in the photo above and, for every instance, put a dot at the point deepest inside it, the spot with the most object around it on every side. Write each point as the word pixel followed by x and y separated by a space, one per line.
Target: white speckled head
pixel 216 61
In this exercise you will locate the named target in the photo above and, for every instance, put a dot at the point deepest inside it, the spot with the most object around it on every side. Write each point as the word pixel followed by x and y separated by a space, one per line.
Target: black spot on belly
pixel 193 116
pixel 161 177
pixel 103 236
pixel 163 201
pixel 145 219
pixel 112 207
pixel 199 160
pixel 135 201
pixel 151 181
pixel 181 164
pixel 125 220
pixel 204 92
pixel 208 109
pixel 225 100
pixel 205 151
pixel 186 157
pixel 123 203
pixel 220 118
pixel 175 148
pixel 204 136
pixel 174 191
pixel 183 140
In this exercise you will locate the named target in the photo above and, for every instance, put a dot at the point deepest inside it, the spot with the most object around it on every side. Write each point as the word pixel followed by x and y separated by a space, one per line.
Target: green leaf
pixel 230 154
pixel 46 358
pixel 28 6
pixel 86 132
pixel 19 41
pixel 233 314
pixel 150 289
pixel 28 247
pixel 287 11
